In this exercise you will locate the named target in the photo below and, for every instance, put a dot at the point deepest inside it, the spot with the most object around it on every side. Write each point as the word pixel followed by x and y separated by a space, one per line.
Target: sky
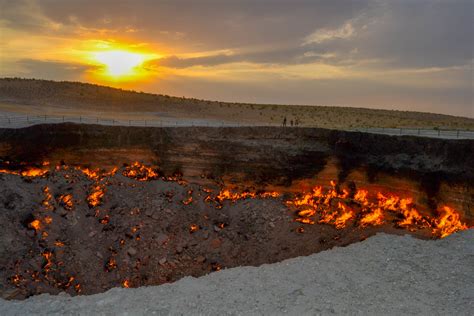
pixel 403 55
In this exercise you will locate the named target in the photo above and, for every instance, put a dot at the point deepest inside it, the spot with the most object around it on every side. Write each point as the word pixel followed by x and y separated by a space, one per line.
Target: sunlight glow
pixel 120 63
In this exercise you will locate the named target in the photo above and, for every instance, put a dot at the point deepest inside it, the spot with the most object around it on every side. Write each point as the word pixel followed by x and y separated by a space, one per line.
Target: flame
pixel 48 220
pixel 140 172
pixel 34 172
pixel 193 228
pixel 227 194
pixel 95 197
pixel 328 205
pixel 66 201
pixel 111 264
pixel 36 224
pixel 91 174
pixel 126 284
pixel 47 198
pixel 448 223
pixel 373 218
pixel 345 215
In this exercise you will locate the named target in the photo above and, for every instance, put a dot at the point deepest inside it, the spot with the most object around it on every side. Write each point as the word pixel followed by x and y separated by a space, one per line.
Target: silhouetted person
pixel 291 123
pixel 284 122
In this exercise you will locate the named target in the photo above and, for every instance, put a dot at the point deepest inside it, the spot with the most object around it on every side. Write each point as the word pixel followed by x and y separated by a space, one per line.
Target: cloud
pixel 407 46
pixel 50 69
pixel 322 35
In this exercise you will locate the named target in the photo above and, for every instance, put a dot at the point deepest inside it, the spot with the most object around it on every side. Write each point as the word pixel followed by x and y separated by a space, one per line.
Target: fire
pixel 328 206
pixel 47 198
pixel 189 200
pixel 91 174
pixel 111 264
pixel 193 228
pixel 48 220
pixel 126 284
pixel 140 172
pixel 95 197
pixel 36 224
pixel 29 172
pixel 227 194
pixel 448 223
pixel 373 218
pixel 34 172
pixel 66 201
pixel 345 215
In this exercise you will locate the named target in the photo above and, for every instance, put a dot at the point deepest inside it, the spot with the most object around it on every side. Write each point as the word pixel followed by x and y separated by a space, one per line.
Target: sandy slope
pixel 73 99
pixel 385 274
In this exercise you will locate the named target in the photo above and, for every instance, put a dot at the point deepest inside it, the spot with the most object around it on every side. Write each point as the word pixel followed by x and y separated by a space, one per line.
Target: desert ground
pixel 41 97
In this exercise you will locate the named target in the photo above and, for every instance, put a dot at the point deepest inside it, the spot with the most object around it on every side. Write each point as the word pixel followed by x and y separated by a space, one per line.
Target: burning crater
pixel 88 208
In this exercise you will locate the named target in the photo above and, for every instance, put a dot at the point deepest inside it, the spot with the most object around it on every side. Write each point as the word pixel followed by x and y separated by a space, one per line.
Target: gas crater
pixel 86 208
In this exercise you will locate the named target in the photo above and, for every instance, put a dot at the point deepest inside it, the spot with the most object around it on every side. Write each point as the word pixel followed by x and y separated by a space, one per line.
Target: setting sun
pixel 116 62
pixel 120 63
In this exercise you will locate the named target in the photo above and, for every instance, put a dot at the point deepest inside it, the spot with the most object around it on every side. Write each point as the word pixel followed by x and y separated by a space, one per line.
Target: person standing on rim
pixel 284 121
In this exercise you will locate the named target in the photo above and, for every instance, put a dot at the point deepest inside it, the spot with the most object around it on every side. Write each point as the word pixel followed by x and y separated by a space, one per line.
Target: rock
pixel 99 255
pixel 92 233
pixel 200 259
pixel 216 229
pixel 10 294
pixel 179 249
pixel 149 212
pixel 162 261
pixel 131 251
pixel 216 243
pixel 161 238
pixel 155 216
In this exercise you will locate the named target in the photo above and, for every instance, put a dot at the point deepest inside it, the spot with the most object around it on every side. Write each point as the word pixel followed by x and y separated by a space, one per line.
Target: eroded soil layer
pixel 78 215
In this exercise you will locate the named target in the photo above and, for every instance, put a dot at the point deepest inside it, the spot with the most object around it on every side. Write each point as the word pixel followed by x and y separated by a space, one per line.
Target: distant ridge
pixel 38 96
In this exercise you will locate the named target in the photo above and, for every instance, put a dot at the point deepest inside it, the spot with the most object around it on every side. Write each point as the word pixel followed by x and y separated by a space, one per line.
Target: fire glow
pixel 333 206
pixel 328 206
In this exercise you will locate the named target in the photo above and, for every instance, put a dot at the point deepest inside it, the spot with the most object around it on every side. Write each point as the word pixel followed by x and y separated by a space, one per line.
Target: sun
pixel 120 63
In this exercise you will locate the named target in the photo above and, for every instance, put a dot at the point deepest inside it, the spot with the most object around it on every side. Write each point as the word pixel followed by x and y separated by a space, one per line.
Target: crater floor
pixel 385 274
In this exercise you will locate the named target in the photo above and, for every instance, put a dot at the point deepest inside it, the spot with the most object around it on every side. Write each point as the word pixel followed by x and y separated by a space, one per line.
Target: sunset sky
pixel 404 55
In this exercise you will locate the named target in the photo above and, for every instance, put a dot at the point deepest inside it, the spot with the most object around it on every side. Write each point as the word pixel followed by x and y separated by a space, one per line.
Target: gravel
pixel 385 274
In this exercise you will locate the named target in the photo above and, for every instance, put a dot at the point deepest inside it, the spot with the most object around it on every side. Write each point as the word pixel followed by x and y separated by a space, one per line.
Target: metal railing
pixel 18 121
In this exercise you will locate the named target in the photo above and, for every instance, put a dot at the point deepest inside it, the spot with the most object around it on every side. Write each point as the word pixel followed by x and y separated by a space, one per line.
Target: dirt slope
pixel 40 97
pixel 390 275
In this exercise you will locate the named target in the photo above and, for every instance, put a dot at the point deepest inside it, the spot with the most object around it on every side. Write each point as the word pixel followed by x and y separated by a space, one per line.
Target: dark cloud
pixel 53 70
